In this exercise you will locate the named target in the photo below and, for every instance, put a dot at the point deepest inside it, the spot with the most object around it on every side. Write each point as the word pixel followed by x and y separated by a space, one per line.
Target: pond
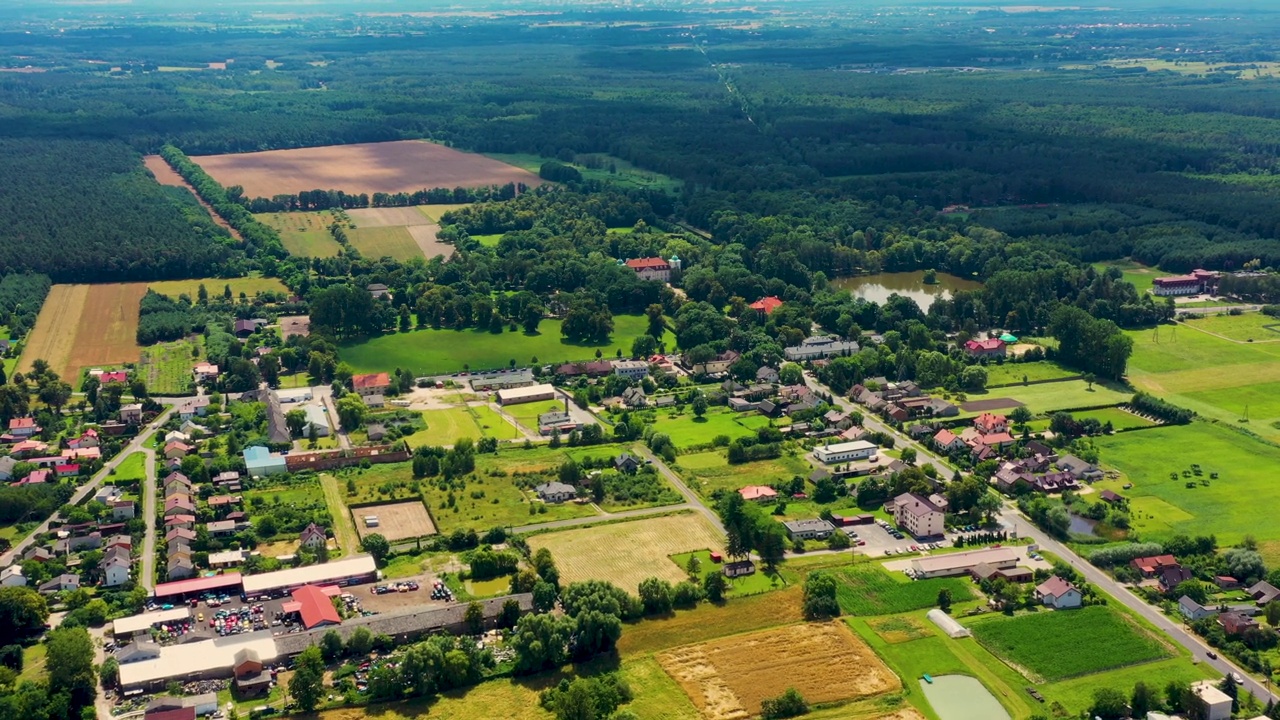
pixel 877 288
pixel 1081 525
pixel 960 697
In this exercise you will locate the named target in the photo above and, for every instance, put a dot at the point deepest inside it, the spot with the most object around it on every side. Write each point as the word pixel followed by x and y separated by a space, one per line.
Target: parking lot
pixel 880 541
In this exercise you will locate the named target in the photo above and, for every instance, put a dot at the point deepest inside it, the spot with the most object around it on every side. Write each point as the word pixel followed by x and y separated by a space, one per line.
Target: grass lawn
pixel 166 368
pixel 344 529
pixel 133 467
pixel 706 472
pixel 1237 503
pixel 868 589
pixel 1050 397
pixel 1136 273
pixel 626 553
pixel 250 286
pixel 1060 645
pixel 1248 327
pixel 392 241
pixel 446 427
pixel 689 431
pixel 527 413
pixel 753 584
pixel 434 352
pixel 304 233
pixel 1118 418
pixel 1013 373
pixel 488 240
pixel 302 493
pixel 33 662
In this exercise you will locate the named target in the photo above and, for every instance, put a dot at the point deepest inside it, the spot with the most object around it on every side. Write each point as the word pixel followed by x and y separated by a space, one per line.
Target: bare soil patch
pixel 728 678
pixel 291 325
pixel 391 167
pixel 993 404
pixel 425 236
pixel 396 521
pixel 387 217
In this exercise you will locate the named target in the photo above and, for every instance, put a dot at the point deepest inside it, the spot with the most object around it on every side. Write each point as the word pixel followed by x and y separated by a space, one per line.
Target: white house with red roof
pixel 23 427
pixel 654 268
pixel 986 423
pixel 87 439
pixel 947 441
pixel 313 536
pixel 371 384
pixel 758 493
pixel 205 372
pixel 766 305
pixel 67 470
pixel 991 347
pixel 1059 594
pixel 110 376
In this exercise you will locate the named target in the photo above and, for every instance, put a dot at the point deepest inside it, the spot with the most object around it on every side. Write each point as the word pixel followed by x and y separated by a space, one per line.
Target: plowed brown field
pixel 82 326
pixel 391 167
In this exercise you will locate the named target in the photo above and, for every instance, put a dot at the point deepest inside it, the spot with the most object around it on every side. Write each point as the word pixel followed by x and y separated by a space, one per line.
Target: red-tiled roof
pixel 373 380
pixel 766 305
pixel 22 423
pixel 989 344
pixel 756 492
pixel 654 263
pixel 1054 586
pixel 316 609
pixel 114 376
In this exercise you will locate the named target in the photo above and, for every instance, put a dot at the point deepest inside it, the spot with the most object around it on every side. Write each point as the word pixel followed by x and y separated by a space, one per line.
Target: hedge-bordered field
pixel 1065 644
pixel 868 589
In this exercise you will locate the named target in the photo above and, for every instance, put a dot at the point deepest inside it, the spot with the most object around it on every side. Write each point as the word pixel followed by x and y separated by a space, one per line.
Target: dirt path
pixel 166 175
pixel 344 530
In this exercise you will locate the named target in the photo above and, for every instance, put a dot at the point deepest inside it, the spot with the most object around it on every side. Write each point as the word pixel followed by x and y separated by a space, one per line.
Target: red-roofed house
pixel 87 440
pixel 1058 594
pixel 1235 623
pixel 371 384
pixel 27 448
pixel 654 268
pixel 1149 566
pixel 766 305
pixel 315 607
pixel 758 493
pixel 88 453
pixel 993 347
pixel 205 372
pixel 23 427
pixel 37 477
pixel 987 424
pixel 67 470
pixel 947 441
pixel 116 376
pixel 177 449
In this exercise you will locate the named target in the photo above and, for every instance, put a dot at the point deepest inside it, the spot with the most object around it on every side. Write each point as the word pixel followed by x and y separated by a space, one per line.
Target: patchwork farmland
pixel 82 326
pixel 390 167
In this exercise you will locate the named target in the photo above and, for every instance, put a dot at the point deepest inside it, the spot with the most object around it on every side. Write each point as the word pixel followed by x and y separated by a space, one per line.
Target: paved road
pixel 148 572
pixel 1216 310
pixel 84 490
pixel 691 498
pixel 325 393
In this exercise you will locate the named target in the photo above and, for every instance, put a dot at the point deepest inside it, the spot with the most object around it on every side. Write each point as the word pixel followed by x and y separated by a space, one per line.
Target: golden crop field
pixel 628 552
pixel 250 286
pixel 83 326
pixel 727 679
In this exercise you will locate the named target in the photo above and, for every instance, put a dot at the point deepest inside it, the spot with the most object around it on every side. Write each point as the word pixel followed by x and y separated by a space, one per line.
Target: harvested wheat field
pixel 425 236
pixel 626 553
pixel 390 167
pixel 728 678
pixel 387 217
pixel 82 326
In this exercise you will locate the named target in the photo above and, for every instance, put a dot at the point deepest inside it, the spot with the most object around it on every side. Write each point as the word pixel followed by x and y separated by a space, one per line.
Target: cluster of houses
pixel 555 492
pixel 1236 618
pixel 900 401
pixel 47 464
pixel 71 541
pixel 1043 470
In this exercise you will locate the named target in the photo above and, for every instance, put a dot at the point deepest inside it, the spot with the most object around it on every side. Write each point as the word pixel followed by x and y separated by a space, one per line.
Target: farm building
pixel 845 452
pixel 203 660
pixel 317 420
pixel 534 393
pixel 811 529
pixel 948 624
pixel 347 571
pixel 962 563
pixel 183 589
pixel 293 395
pixel 502 380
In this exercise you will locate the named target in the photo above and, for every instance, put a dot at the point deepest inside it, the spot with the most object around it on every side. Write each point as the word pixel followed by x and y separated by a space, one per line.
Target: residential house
pixel 66 470
pixel 378 290
pixel 28 448
pixel 1059 594
pixel 555 492
pixel 947 442
pixel 988 424
pixel 767 374
pixel 812 529
pixel 626 463
pixel 122 510
pixel 89 438
pixel 991 347
pixel 1216 705
pixel 634 397
pixel 177 450
pixel 758 493
pixel 716 365
pixel 1192 610
pixel 177 483
pixel 23 427
pixel 115 570
pixel 631 369
pixel 180 521
pixel 244 328
pixel 7 464
pixel 180 566
pixel 180 534
pixel 131 414
pixel 374 402
pixel 1149 567
pixel 193 407
pixel 65 581
pixel 1263 593
pixel 12 577
pixel 313 536
pixel 371 384
pixel 653 268
pixel 90 453
pixel 222 528
pixel 179 505
pixel 917 515
pixel 1079 469
pixel 819 346
pixel 595 368
pixel 205 372
pixel 766 305
pixel 39 553
pixel 1235 623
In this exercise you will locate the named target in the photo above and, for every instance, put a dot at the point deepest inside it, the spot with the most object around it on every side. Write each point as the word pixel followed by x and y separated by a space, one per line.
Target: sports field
pixel 728 678
pixel 391 167
pixel 1217 378
pixel 250 286
pixel 706 472
pixel 304 233
pixel 1236 503
pixel 437 352
pixel 627 552
pixel 82 326
pixel 1048 397
pixel 1058 645
pixel 376 242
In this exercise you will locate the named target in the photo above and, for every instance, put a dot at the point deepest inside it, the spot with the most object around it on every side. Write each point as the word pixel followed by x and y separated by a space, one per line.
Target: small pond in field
pixel 960 697
pixel 1081 525
pixel 877 288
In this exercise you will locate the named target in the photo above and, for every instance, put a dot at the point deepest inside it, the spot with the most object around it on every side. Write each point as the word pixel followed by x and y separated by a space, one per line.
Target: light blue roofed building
pixel 260 461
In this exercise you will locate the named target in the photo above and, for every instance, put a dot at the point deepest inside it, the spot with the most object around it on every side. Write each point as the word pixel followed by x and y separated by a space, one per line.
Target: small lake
pixel 1081 525
pixel 960 697
pixel 877 288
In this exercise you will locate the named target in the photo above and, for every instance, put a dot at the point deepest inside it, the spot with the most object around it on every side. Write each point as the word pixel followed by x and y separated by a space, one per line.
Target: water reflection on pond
pixel 877 288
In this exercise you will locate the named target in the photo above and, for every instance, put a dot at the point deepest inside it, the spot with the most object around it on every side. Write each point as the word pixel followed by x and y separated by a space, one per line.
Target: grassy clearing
pixel 392 241
pixel 304 233
pixel 1248 327
pixel 1013 373
pixel 706 472
pixel 448 426
pixel 686 430
pixel 250 286
pixel 527 413
pixel 344 530
pixel 166 368
pixel 488 240
pixel 1136 273
pixel 1060 645
pixel 34 658
pixel 868 589
pixel 753 584
pixel 434 212
pixel 1119 419
pixel 1050 397
pixel 1234 504
pixel 626 553
pixel 433 352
